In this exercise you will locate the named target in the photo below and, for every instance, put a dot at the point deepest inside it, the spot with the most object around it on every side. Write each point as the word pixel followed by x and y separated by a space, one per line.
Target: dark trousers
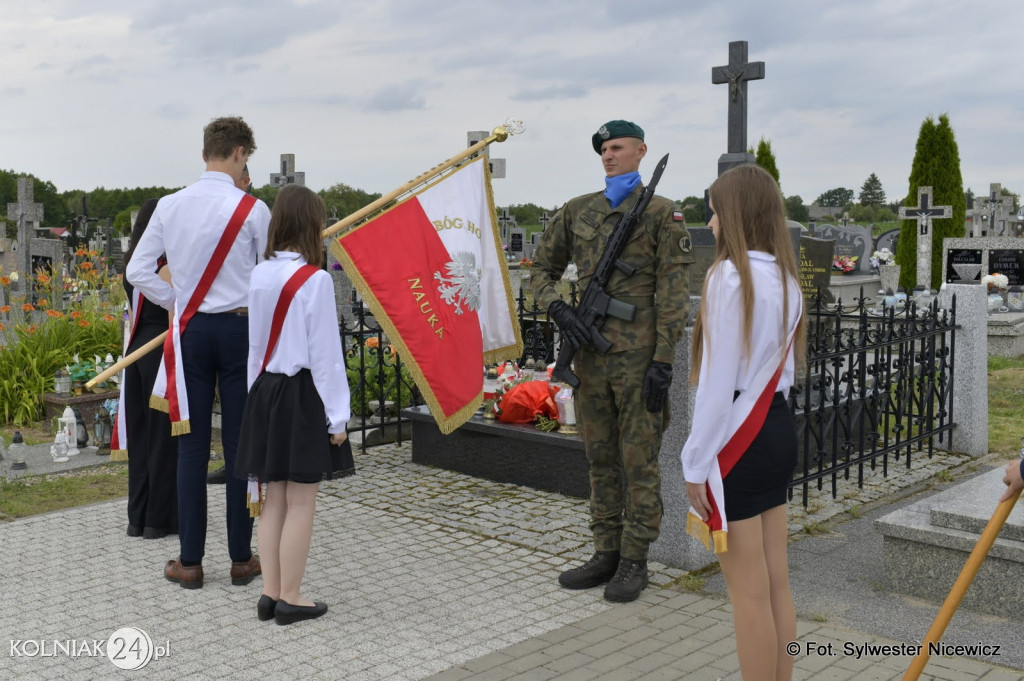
pixel 214 349
pixel 152 451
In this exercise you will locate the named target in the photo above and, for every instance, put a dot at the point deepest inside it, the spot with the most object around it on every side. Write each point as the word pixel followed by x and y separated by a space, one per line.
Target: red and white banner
pixel 433 272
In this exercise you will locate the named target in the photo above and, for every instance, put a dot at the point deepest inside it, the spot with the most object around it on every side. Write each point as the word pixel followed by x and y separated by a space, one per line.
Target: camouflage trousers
pixel 622 441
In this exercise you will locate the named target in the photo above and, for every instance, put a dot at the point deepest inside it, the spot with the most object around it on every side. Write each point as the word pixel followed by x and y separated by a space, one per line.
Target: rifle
pixel 596 304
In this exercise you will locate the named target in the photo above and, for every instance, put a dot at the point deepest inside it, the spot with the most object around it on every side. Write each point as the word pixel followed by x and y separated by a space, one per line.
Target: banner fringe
pixel 181 428
pixel 118 454
pixel 159 403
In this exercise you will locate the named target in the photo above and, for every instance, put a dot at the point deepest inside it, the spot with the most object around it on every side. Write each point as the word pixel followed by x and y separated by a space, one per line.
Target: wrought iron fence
pixel 878 388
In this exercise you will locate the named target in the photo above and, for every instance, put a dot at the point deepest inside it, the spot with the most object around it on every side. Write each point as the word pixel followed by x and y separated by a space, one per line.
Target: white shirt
pixel 309 338
pixel 725 367
pixel 186 226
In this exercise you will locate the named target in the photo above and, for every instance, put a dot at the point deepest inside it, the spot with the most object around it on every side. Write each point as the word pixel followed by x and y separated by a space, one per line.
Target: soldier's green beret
pixel 613 130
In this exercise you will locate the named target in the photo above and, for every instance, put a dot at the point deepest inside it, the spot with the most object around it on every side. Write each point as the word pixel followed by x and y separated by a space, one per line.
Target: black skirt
pixel 760 478
pixel 284 433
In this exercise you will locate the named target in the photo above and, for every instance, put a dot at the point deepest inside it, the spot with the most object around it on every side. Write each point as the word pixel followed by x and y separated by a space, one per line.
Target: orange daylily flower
pixel 6 281
pixel 75 314
pixel 28 307
pixel 5 309
pixel 86 266
pixel 56 314
pixel 84 322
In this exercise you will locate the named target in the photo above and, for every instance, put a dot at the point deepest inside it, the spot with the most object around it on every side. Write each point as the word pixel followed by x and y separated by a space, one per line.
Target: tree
pixel 871 192
pixel 796 210
pixel 766 158
pixel 936 165
pixel 693 210
pixel 839 197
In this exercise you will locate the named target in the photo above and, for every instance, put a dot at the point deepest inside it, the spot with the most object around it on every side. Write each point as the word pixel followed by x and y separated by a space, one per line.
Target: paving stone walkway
pixel 428 574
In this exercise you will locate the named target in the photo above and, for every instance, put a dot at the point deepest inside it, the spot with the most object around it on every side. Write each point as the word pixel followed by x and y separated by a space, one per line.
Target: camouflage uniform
pixel 622 438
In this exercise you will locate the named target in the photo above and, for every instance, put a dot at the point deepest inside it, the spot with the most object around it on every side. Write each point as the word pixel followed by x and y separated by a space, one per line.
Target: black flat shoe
pixel 154 533
pixel 286 613
pixel 134 531
pixel 265 608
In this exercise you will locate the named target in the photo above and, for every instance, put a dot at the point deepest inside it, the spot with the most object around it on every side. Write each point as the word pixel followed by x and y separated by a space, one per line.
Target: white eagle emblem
pixel 462 285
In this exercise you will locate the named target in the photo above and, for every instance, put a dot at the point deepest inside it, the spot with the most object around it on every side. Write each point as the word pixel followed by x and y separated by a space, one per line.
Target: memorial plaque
pixel 963 265
pixel 516 239
pixel 815 265
pixel 1009 262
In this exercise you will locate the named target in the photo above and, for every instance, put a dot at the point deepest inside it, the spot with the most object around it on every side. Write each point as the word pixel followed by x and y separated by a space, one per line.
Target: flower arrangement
pixel 844 263
pixel 995 282
pixel 882 257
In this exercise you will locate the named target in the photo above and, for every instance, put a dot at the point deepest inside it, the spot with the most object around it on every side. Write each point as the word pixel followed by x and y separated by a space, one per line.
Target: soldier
pixel 622 400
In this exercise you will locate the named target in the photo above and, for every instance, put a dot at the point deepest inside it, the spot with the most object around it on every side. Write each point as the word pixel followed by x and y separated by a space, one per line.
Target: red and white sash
pixel 746 418
pixel 119 436
pixel 169 392
pixel 254 493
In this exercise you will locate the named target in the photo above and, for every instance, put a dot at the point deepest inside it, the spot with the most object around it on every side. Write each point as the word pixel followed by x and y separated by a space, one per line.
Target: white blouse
pixel 309 338
pixel 725 366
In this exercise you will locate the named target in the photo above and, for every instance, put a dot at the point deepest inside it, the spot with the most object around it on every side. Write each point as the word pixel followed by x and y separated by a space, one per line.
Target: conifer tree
pixel 871 192
pixel 936 165
pixel 766 158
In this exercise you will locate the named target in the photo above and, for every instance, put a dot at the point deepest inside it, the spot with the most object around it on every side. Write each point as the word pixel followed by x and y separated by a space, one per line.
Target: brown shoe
pixel 188 577
pixel 245 571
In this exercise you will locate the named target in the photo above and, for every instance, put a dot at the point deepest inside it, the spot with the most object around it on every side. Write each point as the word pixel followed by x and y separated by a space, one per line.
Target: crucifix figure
pixel 736 73
pixel 288 174
pixel 26 213
pixel 924 212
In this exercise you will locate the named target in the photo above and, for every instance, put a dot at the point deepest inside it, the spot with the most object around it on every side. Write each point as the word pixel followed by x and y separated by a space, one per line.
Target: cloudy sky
pixel 115 93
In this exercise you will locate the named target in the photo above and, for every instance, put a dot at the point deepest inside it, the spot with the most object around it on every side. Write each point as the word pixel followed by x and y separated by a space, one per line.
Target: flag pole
pixel 956 594
pixel 499 134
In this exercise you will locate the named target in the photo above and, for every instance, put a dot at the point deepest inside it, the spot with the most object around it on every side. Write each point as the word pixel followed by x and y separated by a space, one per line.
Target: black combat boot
pixel 629 580
pixel 596 571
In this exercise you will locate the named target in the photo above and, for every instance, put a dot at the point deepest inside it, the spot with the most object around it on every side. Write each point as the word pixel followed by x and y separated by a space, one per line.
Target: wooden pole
pixel 956 594
pixel 499 134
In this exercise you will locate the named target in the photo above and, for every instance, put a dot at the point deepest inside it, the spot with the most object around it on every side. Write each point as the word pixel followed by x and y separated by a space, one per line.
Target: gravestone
pixel 27 214
pixel 888 240
pixel 992 213
pixel 8 255
pixel 816 267
pixel 852 241
pixel 736 73
pixel 703 240
pixel 545 220
pixel 505 223
pixel 924 212
pixel 516 242
pixel 496 166
pixel 288 174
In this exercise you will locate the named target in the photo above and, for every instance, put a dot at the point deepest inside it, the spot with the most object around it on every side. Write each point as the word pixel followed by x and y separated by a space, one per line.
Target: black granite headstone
pixel 816 267
pixel 703 240
pixel 966 258
pixel 887 240
pixel 851 240
pixel 1008 262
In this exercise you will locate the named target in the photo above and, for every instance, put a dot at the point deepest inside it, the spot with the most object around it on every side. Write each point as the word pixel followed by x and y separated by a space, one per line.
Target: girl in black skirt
pixel 293 428
pixel 748 339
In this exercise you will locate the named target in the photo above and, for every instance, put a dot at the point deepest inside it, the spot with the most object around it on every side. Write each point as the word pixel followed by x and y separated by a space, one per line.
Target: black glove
pixel 574 331
pixel 656 383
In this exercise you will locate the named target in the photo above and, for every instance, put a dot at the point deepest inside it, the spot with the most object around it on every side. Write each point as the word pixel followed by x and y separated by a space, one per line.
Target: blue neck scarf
pixel 619 187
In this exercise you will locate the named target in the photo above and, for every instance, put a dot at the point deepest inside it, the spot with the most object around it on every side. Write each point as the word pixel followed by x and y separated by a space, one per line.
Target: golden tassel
pixel 159 403
pixel 721 544
pixel 181 428
pixel 698 529
pixel 118 454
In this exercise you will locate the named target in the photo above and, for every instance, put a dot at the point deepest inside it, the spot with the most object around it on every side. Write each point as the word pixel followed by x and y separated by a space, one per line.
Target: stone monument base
pixel 926 544
pixel 504 452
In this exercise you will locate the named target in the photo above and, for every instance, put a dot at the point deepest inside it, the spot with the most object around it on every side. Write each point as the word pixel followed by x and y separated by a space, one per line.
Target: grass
pixel 36 494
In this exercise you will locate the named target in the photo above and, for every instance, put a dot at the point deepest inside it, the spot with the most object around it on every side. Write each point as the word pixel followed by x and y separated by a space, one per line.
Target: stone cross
pixel 845 219
pixel 24 212
pixel 287 174
pixel 924 212
pixel 495 165
pixel 988 209
pixel 506 221
pixel 736 73
pixel 545 220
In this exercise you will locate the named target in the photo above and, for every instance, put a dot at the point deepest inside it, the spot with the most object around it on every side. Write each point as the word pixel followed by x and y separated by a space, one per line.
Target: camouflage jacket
pixel 659 249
